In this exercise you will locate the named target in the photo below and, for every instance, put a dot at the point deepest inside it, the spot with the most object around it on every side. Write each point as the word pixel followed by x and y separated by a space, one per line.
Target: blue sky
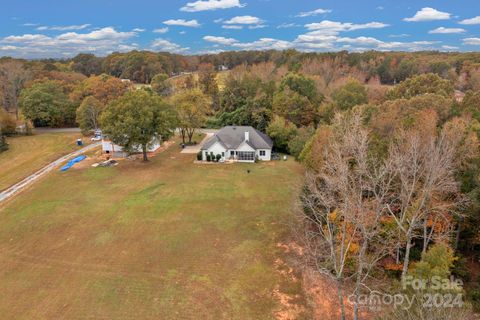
pixel 63 28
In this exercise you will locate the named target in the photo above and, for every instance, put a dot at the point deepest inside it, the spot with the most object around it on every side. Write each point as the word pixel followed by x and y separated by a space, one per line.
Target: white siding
pixel 216 148
pixel 109 147
pixel 267 156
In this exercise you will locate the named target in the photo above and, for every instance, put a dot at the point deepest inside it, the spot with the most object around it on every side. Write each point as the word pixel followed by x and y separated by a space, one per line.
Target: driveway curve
pixel 18 187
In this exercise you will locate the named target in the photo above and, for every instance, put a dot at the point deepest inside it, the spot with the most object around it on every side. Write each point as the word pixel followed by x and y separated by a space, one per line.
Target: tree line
pixel 389 142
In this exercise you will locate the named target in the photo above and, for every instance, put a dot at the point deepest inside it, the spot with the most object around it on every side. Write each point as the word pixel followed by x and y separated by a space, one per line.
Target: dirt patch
pixel 320 290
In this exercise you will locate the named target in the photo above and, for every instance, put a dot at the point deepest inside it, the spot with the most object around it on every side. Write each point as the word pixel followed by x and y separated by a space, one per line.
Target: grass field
pixel 163 240
pixel 28 154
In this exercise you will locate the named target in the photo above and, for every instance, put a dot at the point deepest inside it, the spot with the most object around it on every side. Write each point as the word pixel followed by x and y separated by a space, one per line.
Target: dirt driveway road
pixel 16 188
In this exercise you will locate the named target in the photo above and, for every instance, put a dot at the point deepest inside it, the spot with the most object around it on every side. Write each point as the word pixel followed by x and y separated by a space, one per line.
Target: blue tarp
pixel 72 162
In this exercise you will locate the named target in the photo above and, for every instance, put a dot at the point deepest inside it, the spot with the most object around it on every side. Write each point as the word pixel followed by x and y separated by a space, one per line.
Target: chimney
pixel 247 136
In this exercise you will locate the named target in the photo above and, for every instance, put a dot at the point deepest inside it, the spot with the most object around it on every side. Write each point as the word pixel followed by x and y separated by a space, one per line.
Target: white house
pixel 117 151
pixel 238 143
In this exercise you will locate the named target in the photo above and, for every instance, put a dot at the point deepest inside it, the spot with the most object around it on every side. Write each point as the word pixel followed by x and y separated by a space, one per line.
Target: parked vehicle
pixel 97 135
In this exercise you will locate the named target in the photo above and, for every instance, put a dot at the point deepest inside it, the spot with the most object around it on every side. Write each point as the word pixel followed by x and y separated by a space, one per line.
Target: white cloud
pixel 475 20
pixel 26 38
pixel 472 41
pixel 333 28
pixel 287 25
pixel 139 30
pixel 361 41
pixel 101 42
pixel 167 46
pixel 320 41
pixel 428 14
pixel 107 34
pixel 265 44
pixel 161 30
pixel 233 27
pixel 259 26
pixel 313 13
pixel 64 28
pixel 220 40
pixel 182 22
pixel 450 48
pixel 443 30
pixel 211 5
pixel 402 35
pixel 244 20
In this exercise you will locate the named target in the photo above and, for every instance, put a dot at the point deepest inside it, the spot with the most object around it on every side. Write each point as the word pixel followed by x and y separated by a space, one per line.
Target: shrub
pixel 8 124
pixel 3 143
pixel 199 156
pixel 218 157
pixel 209 158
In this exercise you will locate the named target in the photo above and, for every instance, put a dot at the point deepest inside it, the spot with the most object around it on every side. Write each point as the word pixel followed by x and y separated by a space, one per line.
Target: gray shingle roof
pixel 232 136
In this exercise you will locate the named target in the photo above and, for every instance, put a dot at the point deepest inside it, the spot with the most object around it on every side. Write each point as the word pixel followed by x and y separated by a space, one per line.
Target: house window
pixel 232 153
pixel 262 153
pixel 223 154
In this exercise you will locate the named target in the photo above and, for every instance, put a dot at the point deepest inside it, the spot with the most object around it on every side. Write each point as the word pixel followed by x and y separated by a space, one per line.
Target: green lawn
pixel 163 240
pixel 27 154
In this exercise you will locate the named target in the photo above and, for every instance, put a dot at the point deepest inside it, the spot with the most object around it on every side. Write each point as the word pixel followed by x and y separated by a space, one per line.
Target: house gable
pixel 244 146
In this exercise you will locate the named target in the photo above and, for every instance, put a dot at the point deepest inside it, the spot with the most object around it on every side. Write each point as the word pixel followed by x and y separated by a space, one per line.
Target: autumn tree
pixel 87 64
pixel 88 114
pixel 298 142
pixel 294 107
pixel 422 84
pixel 7 123
pixel 46 104
pixel 192 108
pixel 438 262
pixel 3 142
pixel 13 77
pixel 136 119
pixel 104 88
pixel 207 79
pixel 351 94
pixel 302 85
pixel 342 207
pixel 281 131
pixel 405 69
pixel 425 163
pixel 160 85
pixel 470 104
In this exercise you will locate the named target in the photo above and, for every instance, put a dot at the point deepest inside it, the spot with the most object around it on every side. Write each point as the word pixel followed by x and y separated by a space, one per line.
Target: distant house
pixel 239 143
pixel 222 68
pixel 110 148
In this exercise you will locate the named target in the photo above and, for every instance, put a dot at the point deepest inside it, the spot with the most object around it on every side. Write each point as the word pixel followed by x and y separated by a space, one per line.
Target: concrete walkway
pixel 196 148
pixel 16 188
